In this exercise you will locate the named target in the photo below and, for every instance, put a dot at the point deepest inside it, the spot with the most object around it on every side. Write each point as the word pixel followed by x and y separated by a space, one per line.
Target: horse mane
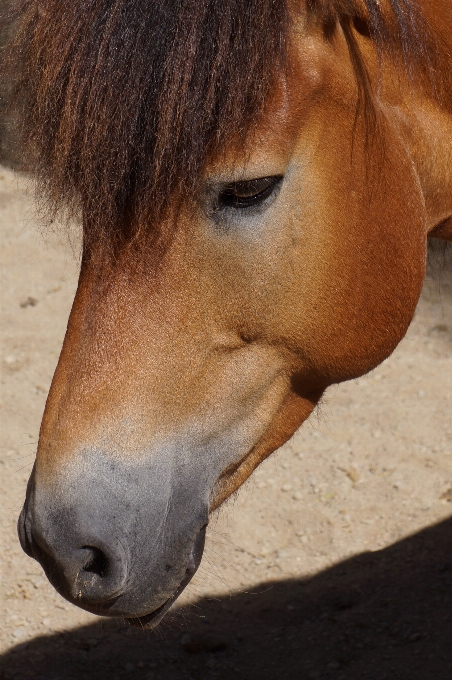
pixel 121 102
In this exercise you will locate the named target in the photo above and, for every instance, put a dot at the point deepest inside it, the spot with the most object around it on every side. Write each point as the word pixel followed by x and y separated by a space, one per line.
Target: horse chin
pixel 150 621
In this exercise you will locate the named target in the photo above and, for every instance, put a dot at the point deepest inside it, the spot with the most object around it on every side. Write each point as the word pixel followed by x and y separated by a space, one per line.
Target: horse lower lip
pixel 151 620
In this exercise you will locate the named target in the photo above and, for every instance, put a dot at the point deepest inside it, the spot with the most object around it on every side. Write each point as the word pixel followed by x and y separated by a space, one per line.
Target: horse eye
pixel 245 194
pixel 362 26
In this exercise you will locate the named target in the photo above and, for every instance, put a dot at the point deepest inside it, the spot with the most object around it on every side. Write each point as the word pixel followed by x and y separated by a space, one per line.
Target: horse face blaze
pixel 178 377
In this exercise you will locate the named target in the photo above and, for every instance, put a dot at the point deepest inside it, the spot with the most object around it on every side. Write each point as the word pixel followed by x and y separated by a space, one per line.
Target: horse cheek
pixel 389 246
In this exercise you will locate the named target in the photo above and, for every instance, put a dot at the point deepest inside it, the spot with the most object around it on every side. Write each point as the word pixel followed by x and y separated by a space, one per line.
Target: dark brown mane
pixel 121 101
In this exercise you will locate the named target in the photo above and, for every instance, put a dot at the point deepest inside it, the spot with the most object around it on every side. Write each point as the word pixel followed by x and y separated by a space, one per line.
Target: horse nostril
pixel 97 562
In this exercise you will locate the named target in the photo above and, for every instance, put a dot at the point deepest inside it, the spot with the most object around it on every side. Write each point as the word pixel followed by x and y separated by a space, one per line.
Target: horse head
pixel 203 334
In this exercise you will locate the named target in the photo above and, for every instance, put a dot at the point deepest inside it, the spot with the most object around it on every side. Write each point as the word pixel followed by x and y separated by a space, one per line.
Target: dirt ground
pixel 334 562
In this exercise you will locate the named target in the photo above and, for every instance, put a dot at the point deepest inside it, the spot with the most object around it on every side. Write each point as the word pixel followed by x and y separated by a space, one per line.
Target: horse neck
pixel 425 118
pixel 439 17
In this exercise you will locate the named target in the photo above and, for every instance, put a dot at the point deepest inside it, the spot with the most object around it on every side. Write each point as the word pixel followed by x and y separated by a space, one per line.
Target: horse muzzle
pixel 108 551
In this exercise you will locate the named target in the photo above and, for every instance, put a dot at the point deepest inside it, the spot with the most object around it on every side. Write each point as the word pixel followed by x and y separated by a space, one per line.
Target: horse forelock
pixel 122 102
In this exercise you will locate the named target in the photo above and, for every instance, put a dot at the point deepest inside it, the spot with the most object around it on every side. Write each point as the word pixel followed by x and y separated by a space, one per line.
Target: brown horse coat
pixel 257 187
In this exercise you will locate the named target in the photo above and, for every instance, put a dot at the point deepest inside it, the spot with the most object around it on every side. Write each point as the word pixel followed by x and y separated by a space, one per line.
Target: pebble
pixel 286 487
pixel 194 643
pixel 29 301
pixel 447 496
pixel 353 475
pixel 18 632
pixel 442 328
pixel 415 637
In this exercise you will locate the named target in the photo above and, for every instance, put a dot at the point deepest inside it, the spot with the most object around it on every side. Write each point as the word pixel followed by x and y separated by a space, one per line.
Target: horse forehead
pixel 277 128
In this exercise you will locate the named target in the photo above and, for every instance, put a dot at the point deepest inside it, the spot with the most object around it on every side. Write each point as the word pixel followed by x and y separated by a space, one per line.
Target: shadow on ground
pixel 378 615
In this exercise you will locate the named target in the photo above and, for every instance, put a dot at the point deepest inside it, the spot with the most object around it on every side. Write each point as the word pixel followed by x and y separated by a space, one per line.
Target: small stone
pixel 286 487
pixel 29 302
pixel 194 643
pixel 353 475
pixel 346 600
pixel 18 633
pixel 46 621
pixel 415 637
pixel 441 327
pixel 297 496
pixel 447 495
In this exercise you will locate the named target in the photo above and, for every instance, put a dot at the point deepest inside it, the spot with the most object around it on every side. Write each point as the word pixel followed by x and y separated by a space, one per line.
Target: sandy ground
pixel 333 562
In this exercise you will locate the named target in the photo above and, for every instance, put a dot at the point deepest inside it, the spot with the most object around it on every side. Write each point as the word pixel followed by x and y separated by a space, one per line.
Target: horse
pixel 257 183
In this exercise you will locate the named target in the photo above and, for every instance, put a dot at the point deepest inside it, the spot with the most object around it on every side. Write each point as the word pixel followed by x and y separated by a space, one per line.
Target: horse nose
pixel 89 570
